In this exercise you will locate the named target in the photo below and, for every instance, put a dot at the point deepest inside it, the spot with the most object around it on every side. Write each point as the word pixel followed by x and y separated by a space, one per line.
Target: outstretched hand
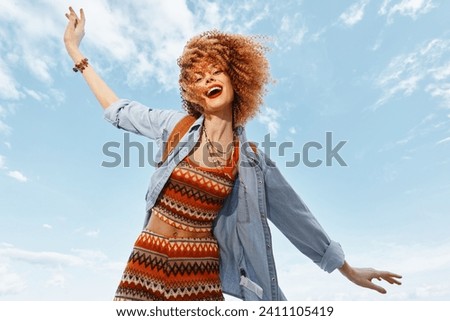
pixel 364 276
pixel 75 29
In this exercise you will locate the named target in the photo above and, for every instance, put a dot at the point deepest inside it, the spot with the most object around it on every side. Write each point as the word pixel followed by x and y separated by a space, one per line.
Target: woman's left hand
pixel 364 276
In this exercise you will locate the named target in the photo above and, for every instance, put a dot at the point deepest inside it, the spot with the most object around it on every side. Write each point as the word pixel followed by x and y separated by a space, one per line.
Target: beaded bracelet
pixel 81 65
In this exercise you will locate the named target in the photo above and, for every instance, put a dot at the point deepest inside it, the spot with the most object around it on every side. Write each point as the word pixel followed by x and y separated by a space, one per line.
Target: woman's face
pixel 213 87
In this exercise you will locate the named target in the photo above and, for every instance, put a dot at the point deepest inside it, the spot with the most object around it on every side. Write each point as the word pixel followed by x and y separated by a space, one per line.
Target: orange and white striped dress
pixel 175 269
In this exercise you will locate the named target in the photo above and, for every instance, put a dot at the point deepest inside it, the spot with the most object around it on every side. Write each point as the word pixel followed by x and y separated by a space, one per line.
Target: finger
pixel 67 16
pixel 375 287
pixel 379 289
pixel 82 18
pixel 73 13
pixel 392 280
pixel 398 276
pixel 390 275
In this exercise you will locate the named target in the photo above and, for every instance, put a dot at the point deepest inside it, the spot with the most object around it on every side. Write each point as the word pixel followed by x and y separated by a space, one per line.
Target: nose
pixel 209 78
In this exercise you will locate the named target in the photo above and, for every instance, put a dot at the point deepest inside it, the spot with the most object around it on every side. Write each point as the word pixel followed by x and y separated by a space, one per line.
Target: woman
pixel 213 191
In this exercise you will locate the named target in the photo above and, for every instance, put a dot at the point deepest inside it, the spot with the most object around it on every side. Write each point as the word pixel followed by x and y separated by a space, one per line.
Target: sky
pixel 375 75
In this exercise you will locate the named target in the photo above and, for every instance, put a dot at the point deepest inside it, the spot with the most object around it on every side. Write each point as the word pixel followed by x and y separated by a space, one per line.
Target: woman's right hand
pixel 74 31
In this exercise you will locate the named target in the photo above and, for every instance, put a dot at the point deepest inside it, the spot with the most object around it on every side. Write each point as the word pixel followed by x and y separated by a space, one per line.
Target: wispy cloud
pixel 410 8
pixel 406 73
pixel 445 140
pixel 84 258
pixel 146 37
pixel 353 14
pixel 43 258
pixel 441 73
pixel 54 267
pixel 18 176
pixel 4 128
pixel 430 124
pixel 2 162
pixel 8 85
pixel 57 280
pixel 12 283
pixel 441 91
pixel 423 269
pixel 269 117
pixel 88 232
pixel 35 94
pixel 292 31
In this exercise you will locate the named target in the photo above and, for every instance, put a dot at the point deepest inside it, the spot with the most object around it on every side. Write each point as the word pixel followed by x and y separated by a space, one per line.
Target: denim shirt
pixel 260 193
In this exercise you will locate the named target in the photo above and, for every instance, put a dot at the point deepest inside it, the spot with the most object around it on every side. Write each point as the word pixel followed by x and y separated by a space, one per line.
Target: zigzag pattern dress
pixel 176 269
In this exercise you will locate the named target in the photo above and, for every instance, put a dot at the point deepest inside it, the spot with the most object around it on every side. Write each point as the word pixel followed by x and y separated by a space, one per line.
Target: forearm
pixel 104 94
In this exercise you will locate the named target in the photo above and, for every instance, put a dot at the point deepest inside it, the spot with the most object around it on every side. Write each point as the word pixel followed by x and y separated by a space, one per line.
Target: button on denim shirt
pixel 260 193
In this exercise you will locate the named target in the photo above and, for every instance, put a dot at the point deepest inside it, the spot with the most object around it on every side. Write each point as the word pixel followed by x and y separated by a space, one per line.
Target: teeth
pixel 213 90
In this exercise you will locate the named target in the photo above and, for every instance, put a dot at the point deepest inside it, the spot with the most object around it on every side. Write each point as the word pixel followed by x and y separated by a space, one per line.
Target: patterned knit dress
pixel 176 269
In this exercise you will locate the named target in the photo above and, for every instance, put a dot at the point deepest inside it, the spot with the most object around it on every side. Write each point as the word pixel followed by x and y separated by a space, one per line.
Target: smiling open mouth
pixel 214 92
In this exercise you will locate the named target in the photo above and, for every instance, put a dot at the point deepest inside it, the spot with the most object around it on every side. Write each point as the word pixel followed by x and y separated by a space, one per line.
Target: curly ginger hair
pixel 241 57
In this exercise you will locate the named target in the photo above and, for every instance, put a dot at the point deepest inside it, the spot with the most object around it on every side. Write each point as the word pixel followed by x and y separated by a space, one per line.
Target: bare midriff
pixel 158 226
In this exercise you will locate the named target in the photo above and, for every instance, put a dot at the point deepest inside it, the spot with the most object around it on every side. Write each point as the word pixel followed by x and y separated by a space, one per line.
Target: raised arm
pixel 72 37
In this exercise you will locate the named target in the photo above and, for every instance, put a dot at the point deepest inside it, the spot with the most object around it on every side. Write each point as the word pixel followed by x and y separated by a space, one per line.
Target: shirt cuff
pixel 111 113
pixel 333 257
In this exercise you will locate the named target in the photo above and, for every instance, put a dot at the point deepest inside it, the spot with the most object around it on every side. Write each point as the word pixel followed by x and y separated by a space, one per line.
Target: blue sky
pixel 374 73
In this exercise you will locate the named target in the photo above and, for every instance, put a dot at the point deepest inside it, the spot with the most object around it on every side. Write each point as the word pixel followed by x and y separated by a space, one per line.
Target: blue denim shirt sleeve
pixel 134 117
pixel 292 217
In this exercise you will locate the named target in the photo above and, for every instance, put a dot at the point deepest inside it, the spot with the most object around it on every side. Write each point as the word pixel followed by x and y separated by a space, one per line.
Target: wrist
pixel 74 53
pixel 346 270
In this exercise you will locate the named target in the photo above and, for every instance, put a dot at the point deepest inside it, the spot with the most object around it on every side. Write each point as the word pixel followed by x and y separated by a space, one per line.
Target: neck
pixel 219 127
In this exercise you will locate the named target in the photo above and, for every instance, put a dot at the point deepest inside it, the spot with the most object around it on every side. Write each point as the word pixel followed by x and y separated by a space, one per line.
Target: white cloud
pixel 8 85
pixel 445 140
pixel 88 232
pixel 25 23
pixel 143 37
pixel 57 280
pixel 4 128
pixel 405 86
pixel 424 269
pixel 405 73
pixel 292 130
pixel 353 14
pixel 2 162
pixel 292 30
pixel 42 258
pixel 441 72
pixel 12 283
pixel 35 269
pixel 383 9
pixel 269 117
pixel 47 226
pixel 410 8
pixel 81 258
pixel 428 124
pixel 258 17
pixel 93 233
pixel 7 144
pixel 442 91
pixel 35 95
pixel 18 176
